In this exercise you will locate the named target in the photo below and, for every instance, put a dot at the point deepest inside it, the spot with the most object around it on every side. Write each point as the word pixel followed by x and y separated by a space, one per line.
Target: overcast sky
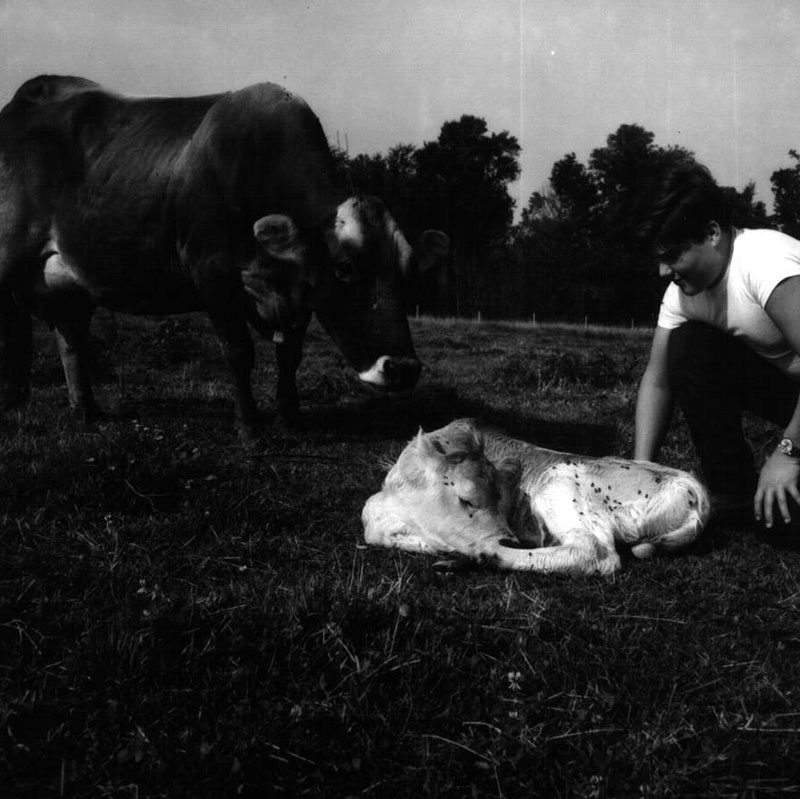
pixel 719 77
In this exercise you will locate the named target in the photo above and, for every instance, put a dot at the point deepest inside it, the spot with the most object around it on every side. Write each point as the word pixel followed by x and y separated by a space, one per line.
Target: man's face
pixel 692 268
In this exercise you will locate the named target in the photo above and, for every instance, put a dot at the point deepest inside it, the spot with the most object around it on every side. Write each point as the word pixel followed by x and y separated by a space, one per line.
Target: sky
pixel 718 77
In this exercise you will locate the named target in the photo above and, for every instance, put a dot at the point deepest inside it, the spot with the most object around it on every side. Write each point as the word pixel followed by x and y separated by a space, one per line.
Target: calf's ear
pixel 427 448
pixel 509 469
pixel 278 236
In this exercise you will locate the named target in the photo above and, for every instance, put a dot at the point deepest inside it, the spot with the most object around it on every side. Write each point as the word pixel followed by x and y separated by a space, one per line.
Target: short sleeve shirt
pixel 760 260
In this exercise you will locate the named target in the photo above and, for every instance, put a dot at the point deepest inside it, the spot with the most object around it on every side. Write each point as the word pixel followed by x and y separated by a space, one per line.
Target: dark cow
pixel 225 203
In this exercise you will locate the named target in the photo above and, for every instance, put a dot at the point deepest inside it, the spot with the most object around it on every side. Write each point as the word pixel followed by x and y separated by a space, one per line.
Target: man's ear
pixel 509 469
pixel 713 231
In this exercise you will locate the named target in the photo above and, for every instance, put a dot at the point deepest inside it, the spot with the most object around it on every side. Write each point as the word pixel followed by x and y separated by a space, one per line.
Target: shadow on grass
pixel 400 415
pixel 380 416
pixel 155 408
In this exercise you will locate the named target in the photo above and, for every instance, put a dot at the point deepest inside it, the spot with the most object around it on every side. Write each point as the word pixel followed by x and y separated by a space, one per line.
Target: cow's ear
pixel 278 236
pixel 402 248
pixel 433 246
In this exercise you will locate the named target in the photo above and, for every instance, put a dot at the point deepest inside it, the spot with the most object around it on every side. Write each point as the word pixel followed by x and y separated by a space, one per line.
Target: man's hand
pixel 777 482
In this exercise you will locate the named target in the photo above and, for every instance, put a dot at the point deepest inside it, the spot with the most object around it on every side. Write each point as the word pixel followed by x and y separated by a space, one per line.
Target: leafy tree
pixel 625 162
pixel 786 191
pixel 746 211
pixel 584 233
pixel 463 180
pixel 575 188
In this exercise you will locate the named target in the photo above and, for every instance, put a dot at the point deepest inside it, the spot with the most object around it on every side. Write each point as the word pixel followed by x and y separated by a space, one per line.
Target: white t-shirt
pixel 760 260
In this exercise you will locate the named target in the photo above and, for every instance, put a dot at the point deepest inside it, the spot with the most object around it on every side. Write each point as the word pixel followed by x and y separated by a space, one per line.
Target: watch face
pixel 786 446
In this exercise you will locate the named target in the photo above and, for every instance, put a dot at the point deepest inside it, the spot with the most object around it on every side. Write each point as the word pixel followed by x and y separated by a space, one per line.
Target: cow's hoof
pixel 289 423
pixel 89 414
pixel 250 438
pixel 95 415
pixel 13 398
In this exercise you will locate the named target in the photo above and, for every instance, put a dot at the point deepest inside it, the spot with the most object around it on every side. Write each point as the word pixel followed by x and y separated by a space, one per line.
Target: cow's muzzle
pixel 393 373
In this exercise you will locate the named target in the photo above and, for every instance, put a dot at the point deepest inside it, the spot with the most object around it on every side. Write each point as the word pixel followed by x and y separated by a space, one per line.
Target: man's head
pixel 689 228
pixel 686 201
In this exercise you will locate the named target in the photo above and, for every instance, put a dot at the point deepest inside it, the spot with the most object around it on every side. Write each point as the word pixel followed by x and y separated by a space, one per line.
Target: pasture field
pixel 180 617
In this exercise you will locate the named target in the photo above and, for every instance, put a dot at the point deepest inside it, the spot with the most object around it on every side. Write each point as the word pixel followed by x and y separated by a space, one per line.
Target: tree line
pixel 574 253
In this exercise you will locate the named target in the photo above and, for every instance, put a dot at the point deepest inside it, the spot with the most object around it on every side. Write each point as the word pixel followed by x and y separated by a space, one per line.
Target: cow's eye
pixel 466 504
pixel 345 270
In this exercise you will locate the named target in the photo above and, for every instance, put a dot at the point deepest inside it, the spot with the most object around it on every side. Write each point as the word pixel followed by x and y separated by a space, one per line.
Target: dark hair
pixel 686 199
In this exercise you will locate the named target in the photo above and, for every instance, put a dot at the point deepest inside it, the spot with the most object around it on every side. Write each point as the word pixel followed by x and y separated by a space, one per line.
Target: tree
pixel 462 180
pixel 745 211
pixel 625 162
pixel 584 233
pixel 575 188
pixel 786 191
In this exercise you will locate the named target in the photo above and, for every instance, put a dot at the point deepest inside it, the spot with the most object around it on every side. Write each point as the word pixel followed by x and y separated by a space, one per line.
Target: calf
pixel 475 492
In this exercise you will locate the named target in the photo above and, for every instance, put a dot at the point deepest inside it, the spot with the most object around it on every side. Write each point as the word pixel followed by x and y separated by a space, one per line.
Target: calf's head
pixel 442 496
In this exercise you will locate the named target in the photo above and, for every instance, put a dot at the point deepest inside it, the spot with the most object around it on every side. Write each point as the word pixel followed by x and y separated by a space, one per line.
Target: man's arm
pixel 780 473
pixel 654 402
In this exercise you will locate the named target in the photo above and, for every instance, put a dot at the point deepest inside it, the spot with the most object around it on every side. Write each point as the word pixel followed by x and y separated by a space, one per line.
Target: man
pixel 728 339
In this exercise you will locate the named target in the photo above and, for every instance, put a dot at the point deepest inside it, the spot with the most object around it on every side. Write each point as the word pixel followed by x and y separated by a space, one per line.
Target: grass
pixel 179 617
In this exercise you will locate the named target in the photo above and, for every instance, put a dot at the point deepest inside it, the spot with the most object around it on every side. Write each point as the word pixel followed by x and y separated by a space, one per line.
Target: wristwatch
pixel 788 447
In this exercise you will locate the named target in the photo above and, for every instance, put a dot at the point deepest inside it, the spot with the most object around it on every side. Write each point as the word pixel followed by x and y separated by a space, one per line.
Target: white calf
pixel 477 493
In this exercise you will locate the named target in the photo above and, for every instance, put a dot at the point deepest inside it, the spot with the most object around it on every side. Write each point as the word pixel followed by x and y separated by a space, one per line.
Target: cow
pixel 226 203
pixel 475 494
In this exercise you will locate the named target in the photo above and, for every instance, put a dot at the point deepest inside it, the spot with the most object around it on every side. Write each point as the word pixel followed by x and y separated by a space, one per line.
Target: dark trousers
pixel 714 378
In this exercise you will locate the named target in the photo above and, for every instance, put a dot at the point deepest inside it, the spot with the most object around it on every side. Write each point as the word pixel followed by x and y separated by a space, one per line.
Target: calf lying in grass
pixel 474 492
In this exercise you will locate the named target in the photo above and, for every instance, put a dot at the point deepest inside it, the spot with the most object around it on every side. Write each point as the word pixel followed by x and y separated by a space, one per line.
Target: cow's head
pixel 279 279
pixel 358 291
pixel 442 495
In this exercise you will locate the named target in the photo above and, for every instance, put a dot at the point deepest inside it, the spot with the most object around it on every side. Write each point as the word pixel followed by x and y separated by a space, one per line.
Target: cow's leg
pixel 72 336
pixel 16 352
pixel 237 346
pixel 288 354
